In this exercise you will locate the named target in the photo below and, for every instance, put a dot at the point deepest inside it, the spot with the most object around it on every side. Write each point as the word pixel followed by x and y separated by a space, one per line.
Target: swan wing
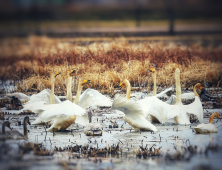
pixel 133 112
pixel 163 93
pixel 171 100
pixel 66 108
pixel 195 108
pixel 129 107
pixel 35 107
pixel 43 96
pixel 82 120
pixel 92 97
pixel 20 96
pixel 161 110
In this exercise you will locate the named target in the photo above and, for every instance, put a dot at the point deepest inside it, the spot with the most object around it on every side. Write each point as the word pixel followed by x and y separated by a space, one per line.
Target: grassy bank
pixel 30 61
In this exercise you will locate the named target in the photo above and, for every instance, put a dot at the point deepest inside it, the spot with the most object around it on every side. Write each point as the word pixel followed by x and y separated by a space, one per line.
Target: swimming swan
pixel 209 127
pixel 14 133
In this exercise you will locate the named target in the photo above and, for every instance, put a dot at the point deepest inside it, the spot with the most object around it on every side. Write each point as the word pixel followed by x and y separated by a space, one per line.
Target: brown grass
pixel 30 61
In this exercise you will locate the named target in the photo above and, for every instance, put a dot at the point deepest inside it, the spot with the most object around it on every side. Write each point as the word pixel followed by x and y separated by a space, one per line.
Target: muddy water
pixel 169 137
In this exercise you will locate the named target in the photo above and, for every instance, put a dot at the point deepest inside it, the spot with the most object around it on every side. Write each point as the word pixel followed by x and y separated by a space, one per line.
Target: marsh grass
pixel 31 61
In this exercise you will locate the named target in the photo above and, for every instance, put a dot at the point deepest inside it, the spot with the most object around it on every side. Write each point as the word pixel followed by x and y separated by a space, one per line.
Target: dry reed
pixel 29 62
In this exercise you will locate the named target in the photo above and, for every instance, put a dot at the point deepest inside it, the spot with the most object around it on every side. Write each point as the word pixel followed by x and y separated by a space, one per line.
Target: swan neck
pixel 25 128
pixel 178 89
pixel 3 128
pixel 52 97
pixel 211 118
pixel 128 91
pixel 154 83
pixel 69 89
pixel 76 101
pixel 195 91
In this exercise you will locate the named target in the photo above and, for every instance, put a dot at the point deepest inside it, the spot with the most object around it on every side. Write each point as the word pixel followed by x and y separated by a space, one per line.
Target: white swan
pixel 68 117
pixel 133 113
pixel 209 127
pixel 161 111
pixel 63 115
pixel 46 96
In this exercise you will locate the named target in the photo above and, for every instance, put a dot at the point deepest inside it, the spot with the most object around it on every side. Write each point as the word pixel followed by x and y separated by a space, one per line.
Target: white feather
pixel 43 96
pixel 91 97
pixel 56 111
pixel 133 113
pixel 206 128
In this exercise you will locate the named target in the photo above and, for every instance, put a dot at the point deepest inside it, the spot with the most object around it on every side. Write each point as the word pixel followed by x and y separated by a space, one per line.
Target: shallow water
pixel 172 136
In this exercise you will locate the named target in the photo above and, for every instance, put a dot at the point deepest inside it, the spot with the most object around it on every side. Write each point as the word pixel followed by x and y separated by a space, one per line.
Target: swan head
pixel 199 85
pixel 153 70
pixel 85 82
pixel 71 72
pixel 26 120
pixel 216 115
pixel 57 73
pixel 125 82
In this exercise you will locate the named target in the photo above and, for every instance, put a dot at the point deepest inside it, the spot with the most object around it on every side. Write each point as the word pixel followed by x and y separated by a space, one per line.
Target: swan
pixel 65 113
pixel 46 96
pixel 69 86
pixel 209 127
pixel 161 111
pixel 14 133
pixel 153 70
pixel 133 113
pixel 157 116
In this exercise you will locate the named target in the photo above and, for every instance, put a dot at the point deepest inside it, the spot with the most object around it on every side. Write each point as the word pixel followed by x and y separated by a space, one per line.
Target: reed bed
pixel 29 62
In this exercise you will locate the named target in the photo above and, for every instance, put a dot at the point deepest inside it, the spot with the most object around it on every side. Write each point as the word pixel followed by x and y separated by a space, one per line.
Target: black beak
pixel 88 81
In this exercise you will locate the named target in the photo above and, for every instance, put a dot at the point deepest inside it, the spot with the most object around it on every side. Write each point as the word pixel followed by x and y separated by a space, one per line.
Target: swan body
pixel 206 128
pixel 93 129
pixel 63 114
pixel 133 113
pixel 209 127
